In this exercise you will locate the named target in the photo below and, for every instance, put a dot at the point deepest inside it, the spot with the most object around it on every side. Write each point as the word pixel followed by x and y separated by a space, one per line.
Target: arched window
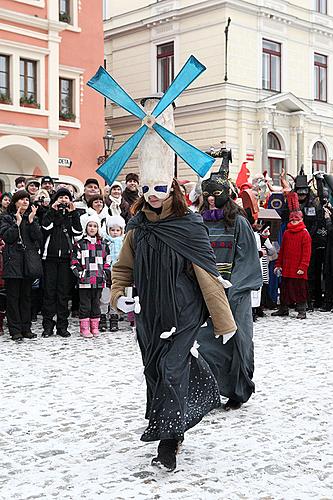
pixel 319 157
pixel 275 160
pixel 273 142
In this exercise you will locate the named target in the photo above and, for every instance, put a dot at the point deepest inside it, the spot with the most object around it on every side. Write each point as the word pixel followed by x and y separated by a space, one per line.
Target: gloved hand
pixel 125 304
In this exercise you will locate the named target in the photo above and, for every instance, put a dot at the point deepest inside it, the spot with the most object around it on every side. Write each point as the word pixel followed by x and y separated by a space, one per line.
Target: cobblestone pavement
pixel 72 414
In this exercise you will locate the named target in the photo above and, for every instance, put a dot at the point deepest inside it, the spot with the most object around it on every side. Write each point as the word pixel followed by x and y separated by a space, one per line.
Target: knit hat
pixel 115 220
pixel 117 184
pixel 47 178
pixel 132 177
pixel 61 192
pixel 91 181
pixel 32 181
pixel 295 212
pixel 2 195
pixel 91 218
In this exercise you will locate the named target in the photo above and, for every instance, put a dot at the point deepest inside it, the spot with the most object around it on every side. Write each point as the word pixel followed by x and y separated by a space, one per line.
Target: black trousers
pixel 315 273
pixel 18 294
pixel 90 302
pixel 58 282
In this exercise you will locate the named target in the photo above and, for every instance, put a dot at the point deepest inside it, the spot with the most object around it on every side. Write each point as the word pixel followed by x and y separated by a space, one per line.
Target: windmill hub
pixel 149 120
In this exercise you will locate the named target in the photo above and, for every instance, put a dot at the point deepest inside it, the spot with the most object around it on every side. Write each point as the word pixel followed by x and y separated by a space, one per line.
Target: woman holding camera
pixel 61 224
pixel 21 234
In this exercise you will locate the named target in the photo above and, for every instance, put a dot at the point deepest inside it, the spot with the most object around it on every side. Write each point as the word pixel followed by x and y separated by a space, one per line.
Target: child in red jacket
pixel 293 262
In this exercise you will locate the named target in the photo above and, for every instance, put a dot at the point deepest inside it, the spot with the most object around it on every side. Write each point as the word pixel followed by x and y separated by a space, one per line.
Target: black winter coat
pixel 60 230
pixel 14 252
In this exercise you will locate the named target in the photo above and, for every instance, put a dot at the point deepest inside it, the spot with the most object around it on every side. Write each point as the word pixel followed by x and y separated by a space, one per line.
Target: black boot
pixel 29 335
pixel 166 454
pixel 327 307
pixel 18 337
pixel 232 404
pixel 301 308
pixel 114 323
pixel 102 323
pixel 282 311
pixel 63 333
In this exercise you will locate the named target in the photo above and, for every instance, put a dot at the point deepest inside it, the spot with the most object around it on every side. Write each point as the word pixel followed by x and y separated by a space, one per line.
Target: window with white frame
pixel 321 6
pixel 165 66
pixel 28 82
pixel 65 11
pixel 320 77
pixel 271 65
pixel 66 102
pixel 4 79
pixel 319 157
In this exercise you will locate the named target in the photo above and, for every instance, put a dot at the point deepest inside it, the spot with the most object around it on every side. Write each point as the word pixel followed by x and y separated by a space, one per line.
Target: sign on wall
pixel 65 162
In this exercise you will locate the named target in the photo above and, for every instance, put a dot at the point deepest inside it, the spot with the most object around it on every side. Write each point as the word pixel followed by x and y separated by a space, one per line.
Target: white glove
pixel 125 304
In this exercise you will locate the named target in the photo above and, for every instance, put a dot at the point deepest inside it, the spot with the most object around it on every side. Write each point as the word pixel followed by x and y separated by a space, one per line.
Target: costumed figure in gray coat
pixel 234 244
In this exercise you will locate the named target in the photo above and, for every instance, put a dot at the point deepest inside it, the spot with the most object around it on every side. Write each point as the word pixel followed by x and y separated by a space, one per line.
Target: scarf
pixel 115 205
pixel 130 196
pixel 213 215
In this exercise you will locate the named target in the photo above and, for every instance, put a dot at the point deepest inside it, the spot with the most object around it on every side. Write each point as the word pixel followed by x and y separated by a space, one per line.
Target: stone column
pixel 299 148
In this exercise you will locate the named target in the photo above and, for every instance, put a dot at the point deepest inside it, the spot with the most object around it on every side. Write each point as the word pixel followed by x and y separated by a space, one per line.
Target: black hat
pixel 19 179
pixel 47 178
pixel 18 195
pixel 91 181
pixel 132 177
pixel 61 192
pixel 301 183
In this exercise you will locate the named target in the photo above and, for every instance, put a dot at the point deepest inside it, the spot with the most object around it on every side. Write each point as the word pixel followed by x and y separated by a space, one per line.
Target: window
pixel 319 158
pixel 276 163
pixel 64 11
pixel 320 77
pixel 321 6
pixel 275 166
pixel 66 99
pixel 271 66
pixel 273 142
pixel 28 81
pixel 4 78
pixel 165 66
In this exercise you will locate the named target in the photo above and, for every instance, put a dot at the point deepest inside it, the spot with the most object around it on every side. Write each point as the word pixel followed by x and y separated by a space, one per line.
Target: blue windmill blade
pixel 112 167
pixel 199 161
pixel 189 72
pixel 109 88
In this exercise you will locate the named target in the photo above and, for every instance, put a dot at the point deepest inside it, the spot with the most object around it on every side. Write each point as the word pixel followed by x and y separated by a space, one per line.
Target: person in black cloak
pixel 236 252
pixel 167 254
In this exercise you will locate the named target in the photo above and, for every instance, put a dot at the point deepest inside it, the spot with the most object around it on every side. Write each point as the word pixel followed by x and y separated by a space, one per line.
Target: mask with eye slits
pixel 218 186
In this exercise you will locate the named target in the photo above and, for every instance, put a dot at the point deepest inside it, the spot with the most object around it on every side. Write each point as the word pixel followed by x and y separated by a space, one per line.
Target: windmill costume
pixel 171 262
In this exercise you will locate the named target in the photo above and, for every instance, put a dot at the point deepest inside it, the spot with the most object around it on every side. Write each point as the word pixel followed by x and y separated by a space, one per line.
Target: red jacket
pixel 295 251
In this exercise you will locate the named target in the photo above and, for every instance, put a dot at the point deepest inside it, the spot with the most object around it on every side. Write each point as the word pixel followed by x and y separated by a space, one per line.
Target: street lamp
pixel 108 140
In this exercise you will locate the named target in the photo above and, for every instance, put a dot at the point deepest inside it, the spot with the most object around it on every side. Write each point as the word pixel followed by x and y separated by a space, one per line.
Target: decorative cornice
pixel 42 133
pixel 32 21
pixel 146 20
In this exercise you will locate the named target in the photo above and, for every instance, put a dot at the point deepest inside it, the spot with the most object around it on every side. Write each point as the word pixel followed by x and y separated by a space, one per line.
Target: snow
pixel 72 412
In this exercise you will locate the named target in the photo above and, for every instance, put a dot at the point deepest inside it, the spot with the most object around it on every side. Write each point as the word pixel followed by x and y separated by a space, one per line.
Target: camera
pixel 62 207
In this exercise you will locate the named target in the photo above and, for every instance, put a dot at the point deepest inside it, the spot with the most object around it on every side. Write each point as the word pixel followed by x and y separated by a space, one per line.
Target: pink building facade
pixel 51 123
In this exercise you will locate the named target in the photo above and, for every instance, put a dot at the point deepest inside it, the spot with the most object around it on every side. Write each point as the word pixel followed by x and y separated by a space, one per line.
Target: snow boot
pixel 102 323
pixel 282 311
pixel 94 324
pixel 114 323
pixel 85 328
pixel 166 454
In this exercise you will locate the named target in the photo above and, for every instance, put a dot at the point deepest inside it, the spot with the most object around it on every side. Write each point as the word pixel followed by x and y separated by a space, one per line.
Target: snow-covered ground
pixel 72 412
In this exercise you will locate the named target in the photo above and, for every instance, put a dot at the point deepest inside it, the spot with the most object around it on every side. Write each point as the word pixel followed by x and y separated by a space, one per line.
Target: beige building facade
pixel 271 100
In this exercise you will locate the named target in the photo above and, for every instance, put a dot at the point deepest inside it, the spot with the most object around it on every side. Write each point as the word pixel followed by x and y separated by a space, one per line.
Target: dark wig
pixel 179 205
pixel 94 198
